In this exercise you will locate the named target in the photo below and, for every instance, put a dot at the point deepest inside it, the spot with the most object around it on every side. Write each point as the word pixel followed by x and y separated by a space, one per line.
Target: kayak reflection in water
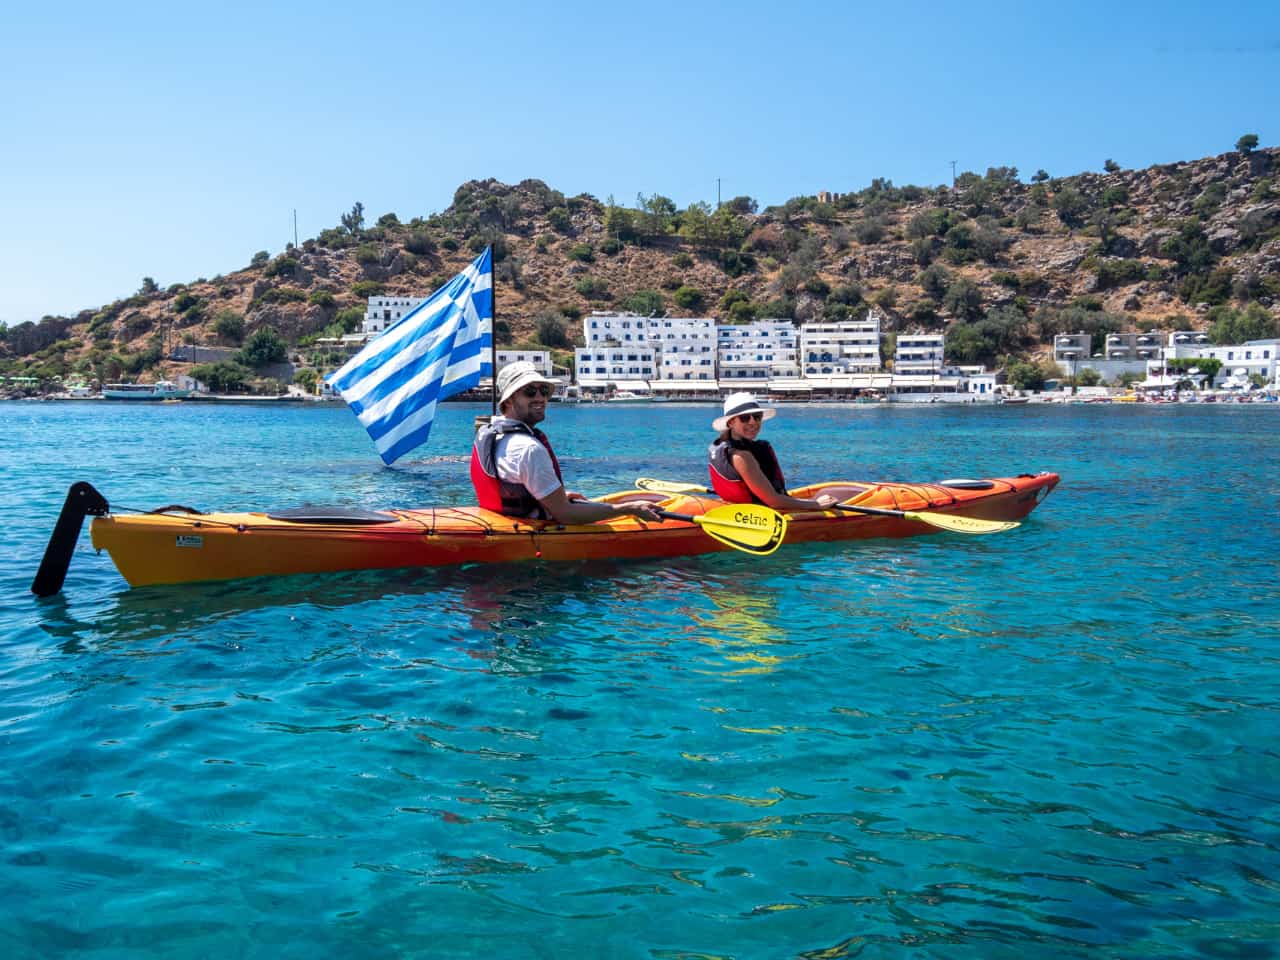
pixel 515 471
pixel 744 468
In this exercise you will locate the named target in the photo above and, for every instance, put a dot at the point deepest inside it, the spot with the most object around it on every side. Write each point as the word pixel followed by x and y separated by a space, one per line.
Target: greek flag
pixel 439 348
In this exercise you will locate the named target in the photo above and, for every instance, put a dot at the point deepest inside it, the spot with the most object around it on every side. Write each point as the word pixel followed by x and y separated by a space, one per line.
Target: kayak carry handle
pixel 82 501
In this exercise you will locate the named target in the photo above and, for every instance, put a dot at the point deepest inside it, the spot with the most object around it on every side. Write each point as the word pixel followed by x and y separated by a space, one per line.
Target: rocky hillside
pixel 1000 264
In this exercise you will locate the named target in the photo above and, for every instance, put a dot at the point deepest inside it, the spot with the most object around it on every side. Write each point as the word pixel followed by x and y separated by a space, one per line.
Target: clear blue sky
pixel 175 140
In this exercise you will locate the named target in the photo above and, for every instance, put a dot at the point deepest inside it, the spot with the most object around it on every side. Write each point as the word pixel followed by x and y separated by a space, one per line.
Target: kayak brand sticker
pixel 190 541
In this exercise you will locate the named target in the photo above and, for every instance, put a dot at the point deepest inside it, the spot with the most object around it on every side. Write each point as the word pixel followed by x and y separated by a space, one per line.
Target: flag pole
pixel 493 337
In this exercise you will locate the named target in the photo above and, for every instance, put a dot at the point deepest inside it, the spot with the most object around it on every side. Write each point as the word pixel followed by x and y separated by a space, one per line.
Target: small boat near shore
pixel 160 390
pixel 627 396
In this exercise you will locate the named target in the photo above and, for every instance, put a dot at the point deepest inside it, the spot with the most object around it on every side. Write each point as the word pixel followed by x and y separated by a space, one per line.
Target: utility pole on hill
pixel 953 174
pixel 295 228
pixel 717 193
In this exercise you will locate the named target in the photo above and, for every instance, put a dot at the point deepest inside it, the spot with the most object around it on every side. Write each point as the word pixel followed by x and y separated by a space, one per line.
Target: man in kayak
pixel 744 468
pixel 515 471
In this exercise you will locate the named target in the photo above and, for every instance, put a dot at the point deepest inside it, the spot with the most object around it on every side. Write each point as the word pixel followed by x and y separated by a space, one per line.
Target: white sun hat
pixel 516 376
pixel 736 404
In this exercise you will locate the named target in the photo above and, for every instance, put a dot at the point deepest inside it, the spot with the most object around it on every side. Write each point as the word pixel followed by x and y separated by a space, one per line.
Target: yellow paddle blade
pixel 956 524
pixel 748 527
pixel 943 521
pixel 668 486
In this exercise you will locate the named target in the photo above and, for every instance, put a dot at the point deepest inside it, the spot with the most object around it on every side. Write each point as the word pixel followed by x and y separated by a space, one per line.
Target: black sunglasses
pixel 757 416
pixel 532 391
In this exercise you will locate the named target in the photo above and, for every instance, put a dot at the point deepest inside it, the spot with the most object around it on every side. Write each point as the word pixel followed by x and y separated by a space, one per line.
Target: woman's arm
pixel 749 469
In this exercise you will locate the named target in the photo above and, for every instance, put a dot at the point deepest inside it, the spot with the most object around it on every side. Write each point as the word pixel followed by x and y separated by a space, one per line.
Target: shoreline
pixel 1258 398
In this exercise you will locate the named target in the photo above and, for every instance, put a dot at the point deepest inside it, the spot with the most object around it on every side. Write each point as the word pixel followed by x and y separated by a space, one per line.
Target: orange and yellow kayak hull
pixel 167 548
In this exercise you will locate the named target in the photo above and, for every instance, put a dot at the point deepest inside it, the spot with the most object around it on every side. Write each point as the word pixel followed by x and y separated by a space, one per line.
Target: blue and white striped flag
pixel 439 348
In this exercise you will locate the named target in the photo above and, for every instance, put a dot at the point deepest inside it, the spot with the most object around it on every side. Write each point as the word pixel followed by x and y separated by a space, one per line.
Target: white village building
pixel 749 355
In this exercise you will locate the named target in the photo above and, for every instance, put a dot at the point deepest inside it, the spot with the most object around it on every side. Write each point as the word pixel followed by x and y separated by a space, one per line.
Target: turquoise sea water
pixel 1055 742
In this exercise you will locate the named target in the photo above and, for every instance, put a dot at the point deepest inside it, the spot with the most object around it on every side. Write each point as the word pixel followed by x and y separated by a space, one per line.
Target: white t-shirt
pixel 522 459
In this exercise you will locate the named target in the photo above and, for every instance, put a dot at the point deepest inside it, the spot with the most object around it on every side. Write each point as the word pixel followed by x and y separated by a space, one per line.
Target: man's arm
pixel 532 465
pixel 566 511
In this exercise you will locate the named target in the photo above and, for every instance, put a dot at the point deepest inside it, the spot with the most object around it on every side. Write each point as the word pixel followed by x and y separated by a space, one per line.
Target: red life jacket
pixel 504 496
pixel 728 483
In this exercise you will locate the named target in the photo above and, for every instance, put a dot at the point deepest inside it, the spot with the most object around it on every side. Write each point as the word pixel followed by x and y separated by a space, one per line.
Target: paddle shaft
pixel 883 511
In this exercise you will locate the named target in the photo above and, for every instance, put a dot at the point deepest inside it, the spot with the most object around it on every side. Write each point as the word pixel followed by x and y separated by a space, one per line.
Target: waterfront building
pixel 676 353
pixel 829 348
pixel 1072 347
pixel 1147 345
pixel 749 355
pixel 539 358
pixel 919 354
pixel 686 348
pixel 1187 338
pixel 385 312
pixel 1125 353
pixel 633 365
pixel 1239 361
pixel 1122 346
pixel 977 380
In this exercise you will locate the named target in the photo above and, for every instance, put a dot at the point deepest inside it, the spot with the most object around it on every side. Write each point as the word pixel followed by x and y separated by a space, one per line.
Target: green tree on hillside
pixel 619 222
pixel 963 299
pixel 148 287
pixel 225 376
pixel 1247 144
pixel 552 331
pixel 1254 322
pixel 1072 207
pixel 647 303
pixel 656 215
pixel 353 222
pixel 689 298
pixel 228 326
pixel 265 346
pixel 1023 375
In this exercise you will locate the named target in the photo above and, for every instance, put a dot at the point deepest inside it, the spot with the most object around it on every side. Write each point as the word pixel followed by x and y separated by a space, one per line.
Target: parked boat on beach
pixel 160 390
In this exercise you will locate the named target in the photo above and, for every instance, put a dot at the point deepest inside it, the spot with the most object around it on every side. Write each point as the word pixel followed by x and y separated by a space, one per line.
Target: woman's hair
pixel 725 435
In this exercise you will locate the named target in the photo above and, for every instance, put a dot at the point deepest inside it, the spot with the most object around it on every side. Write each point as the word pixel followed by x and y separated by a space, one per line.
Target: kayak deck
pixel 160 548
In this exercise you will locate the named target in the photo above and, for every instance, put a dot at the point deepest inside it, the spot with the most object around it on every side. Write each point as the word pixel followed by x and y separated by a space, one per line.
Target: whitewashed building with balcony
pixel 1239 361
pixel 630 367
pixel 539 358
pixel 681 349
pixel 832 348
pixel 751 354
pixel 919 354
pixel 686 348
pixel 383 313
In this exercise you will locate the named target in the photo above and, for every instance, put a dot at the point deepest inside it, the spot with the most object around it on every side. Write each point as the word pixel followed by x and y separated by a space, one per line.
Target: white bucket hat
pixel 516 376
pixel 735 405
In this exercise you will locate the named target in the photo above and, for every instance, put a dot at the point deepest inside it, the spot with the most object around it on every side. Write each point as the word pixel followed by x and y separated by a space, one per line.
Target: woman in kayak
pixel 744 468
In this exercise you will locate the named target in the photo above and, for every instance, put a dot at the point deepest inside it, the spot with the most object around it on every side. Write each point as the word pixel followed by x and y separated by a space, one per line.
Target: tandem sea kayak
pixel 179 545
